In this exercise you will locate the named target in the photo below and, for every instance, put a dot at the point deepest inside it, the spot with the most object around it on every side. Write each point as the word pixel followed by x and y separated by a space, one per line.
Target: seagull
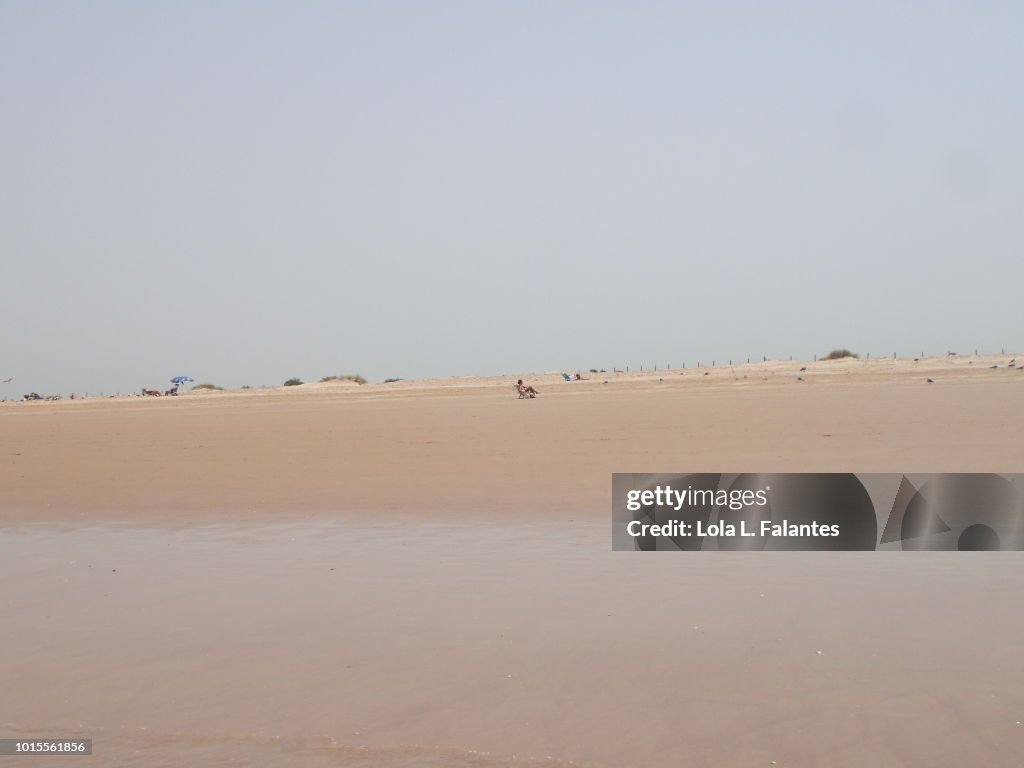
pixel 799 378
pixel 8 381
pixel 931 381
pixel 993 366
pixel 804 368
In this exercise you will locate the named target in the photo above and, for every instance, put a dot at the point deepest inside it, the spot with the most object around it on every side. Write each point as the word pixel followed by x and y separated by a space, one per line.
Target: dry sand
pixel 419 576
pixel 468 446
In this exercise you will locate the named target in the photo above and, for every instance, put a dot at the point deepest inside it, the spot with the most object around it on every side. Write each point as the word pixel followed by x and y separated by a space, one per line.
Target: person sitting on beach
pixel 525 389
pixel 580 377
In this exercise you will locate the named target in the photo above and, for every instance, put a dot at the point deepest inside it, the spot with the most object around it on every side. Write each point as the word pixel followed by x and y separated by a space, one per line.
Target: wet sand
pixel 414 644
pixel 422 577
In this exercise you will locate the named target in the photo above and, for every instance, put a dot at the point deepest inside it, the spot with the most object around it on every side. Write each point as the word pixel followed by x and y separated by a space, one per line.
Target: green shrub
pixel 839 354
pixel 345 377
pixel 293 382
pixel 206 386
pixel 392 381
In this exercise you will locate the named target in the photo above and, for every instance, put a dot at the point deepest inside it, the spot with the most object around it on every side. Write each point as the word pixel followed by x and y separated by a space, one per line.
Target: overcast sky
pixel 244 192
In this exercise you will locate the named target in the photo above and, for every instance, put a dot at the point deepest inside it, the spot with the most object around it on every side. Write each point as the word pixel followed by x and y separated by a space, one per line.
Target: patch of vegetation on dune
pixel 839 354
pixel 345 377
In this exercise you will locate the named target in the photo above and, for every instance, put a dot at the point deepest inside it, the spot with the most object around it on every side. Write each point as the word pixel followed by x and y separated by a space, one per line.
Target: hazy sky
pixel 244 192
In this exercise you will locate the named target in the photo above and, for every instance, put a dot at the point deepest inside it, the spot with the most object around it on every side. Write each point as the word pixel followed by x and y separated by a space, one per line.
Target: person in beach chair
pixel 525 391
pixel 567 377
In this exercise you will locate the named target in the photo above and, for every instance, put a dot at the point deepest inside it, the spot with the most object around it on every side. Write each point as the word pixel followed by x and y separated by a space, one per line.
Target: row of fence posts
pixel 764 358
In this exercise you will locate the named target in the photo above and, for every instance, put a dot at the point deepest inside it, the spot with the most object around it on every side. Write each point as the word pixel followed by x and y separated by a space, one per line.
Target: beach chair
pixel 567 377
pixel 523 392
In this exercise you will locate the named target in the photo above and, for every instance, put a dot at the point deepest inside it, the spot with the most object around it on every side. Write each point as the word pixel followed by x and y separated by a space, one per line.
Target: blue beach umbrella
pixel 181 379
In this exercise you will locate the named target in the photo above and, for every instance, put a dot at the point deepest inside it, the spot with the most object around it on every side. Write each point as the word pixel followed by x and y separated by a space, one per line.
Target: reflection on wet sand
pixel 395 644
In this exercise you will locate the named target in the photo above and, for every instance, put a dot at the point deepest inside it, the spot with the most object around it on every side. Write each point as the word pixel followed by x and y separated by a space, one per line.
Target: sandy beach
pixel 468 447
pixel 419 574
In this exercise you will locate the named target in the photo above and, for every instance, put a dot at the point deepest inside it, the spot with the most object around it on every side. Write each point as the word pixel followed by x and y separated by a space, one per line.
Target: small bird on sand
pixel 931 381
pixel 799 378
pixel 993 366
pixel 804 368
pixel 706 372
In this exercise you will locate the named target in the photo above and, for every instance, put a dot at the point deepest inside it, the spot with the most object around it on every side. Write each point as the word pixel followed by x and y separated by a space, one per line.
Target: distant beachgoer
pixel 525 389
